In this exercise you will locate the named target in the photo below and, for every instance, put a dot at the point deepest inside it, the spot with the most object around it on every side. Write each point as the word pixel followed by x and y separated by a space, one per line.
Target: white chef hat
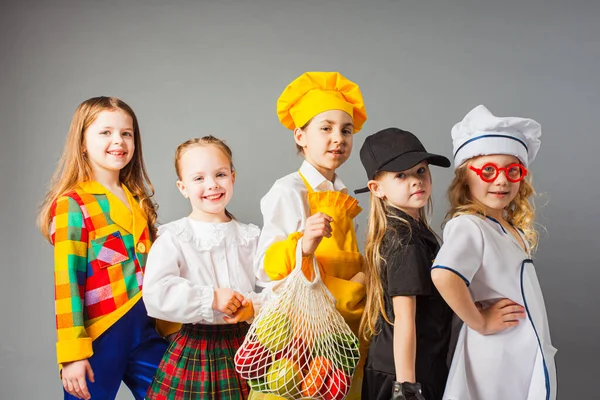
pixel 481 133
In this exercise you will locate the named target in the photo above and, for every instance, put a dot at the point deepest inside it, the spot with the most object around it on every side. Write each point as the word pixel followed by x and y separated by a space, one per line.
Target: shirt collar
pixel 93 187
pixel 318 182
pixel 416 225
pixel 401 214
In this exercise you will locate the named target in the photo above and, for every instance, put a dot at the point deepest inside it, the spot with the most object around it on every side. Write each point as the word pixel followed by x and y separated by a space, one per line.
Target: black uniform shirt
pixel 407 272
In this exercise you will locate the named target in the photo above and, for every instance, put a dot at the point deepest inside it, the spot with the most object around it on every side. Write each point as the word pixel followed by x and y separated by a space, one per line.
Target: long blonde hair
pixel 377 226
pixel 520 212
pixel 74 168
pixel 204 141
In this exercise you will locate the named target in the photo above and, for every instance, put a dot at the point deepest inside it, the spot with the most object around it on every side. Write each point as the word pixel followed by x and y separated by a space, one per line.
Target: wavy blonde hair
pixel 204 141
pixel 520 212
pixel 377 226
pixel 74 168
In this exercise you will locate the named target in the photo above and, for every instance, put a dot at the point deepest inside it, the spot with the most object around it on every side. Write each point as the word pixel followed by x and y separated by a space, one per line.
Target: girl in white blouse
pixel 200 273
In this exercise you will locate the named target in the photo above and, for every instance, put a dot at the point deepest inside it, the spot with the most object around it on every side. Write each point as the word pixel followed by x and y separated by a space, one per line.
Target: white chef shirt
pixel 517 363
pixel 285 209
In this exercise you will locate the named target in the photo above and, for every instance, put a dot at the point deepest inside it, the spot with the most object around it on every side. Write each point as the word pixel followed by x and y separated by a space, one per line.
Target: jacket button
pixel 141 247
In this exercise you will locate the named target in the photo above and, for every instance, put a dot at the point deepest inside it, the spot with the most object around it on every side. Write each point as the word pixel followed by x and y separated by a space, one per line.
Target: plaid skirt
pixel 199 365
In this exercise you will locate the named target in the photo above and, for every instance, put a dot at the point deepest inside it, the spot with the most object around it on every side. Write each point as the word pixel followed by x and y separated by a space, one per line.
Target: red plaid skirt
pixel 199 365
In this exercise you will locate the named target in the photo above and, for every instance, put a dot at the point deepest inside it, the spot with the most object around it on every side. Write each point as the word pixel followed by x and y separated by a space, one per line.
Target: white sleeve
pixel 462 251
pixel 283 214
pixel 166 294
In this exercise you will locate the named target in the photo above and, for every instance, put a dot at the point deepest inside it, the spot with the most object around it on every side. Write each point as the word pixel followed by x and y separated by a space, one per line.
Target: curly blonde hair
pixel 520 212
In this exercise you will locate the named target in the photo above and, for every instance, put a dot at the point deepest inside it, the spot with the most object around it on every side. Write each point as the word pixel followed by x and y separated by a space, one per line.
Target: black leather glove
pixel 407 391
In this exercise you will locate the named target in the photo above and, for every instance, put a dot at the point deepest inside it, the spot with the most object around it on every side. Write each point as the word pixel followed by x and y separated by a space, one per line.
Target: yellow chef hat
pixel 315 92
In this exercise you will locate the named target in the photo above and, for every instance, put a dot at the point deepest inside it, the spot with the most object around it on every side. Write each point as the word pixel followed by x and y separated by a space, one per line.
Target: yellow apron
pixel 339 260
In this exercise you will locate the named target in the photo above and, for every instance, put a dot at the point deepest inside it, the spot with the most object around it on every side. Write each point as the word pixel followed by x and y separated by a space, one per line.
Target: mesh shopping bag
pixel 299 346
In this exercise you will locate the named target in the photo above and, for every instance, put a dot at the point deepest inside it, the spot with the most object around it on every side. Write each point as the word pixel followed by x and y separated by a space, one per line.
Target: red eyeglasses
pixel 490 171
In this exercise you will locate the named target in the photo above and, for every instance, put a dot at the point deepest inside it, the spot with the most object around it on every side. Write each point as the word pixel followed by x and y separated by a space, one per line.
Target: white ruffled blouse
pixel 189 260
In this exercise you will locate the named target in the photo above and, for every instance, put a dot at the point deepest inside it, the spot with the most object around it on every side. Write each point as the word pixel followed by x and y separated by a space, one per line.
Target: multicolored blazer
pixel 100 251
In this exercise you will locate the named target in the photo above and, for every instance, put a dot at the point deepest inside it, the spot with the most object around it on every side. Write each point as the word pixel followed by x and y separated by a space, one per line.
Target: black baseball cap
pixel 394 150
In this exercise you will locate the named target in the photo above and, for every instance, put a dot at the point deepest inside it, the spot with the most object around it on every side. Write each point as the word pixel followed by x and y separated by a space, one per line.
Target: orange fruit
pixel 318 372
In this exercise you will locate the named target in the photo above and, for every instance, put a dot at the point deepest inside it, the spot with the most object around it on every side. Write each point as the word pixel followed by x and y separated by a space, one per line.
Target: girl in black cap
pixel 405 316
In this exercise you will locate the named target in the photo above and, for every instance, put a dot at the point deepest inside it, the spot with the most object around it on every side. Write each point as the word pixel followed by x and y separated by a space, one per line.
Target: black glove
pixel 407 391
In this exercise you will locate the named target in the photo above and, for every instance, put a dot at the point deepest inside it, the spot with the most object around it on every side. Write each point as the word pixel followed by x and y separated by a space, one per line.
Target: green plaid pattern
pixel 199 365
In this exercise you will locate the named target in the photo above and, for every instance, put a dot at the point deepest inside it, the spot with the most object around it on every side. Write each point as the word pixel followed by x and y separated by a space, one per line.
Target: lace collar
pixel 233 233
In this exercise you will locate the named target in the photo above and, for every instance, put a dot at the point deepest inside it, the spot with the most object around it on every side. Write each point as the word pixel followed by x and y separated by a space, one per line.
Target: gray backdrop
pixel 192 68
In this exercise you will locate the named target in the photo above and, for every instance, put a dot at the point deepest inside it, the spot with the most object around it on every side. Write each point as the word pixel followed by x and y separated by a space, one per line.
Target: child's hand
pixel 502 315
pixel 227 300
pixel 73 378
pixel 316 228
pixel 244 313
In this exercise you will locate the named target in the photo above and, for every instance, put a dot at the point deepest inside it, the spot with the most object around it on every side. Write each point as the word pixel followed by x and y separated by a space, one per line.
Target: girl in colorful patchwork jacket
pixel 200 273
pixel 100 218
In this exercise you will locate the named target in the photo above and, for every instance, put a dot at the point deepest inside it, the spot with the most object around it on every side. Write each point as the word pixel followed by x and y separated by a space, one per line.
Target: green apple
pixel 274 331
pixel 258 385
pixel 340 348
pixel 284 378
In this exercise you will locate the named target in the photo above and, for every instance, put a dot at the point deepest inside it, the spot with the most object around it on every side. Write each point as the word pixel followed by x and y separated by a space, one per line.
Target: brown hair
pixel 520 212
pixel 299 149
pixel 377 226
pixel 204 141
pixel 73 168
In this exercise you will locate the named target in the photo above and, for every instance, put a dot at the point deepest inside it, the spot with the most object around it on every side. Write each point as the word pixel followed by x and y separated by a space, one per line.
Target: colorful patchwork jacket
pixel 100 251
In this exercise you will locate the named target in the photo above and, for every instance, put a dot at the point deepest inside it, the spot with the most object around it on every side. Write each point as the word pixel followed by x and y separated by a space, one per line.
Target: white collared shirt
pixel 317 181
pixel 285 209
pixel 189 260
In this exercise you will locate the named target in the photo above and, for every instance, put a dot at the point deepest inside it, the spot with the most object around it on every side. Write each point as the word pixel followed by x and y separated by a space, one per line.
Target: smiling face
pixel 207 180
pixel 326 141
pixel 407 190
pixel 109 142
pixel 495 196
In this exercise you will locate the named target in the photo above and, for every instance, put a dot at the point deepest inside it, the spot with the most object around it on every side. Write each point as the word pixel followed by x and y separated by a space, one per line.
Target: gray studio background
pixel 190 68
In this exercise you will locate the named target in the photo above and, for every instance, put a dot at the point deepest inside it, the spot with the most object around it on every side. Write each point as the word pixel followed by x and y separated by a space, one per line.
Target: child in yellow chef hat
pixel 311 207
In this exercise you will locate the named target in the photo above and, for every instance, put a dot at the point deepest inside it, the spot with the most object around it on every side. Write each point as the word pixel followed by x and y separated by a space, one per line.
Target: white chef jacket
pixel 285 209
pixel 515 364
pixel 189 260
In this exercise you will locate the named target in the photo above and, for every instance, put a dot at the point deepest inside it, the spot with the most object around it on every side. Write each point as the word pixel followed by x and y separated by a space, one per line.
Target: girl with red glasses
pixel 484 269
